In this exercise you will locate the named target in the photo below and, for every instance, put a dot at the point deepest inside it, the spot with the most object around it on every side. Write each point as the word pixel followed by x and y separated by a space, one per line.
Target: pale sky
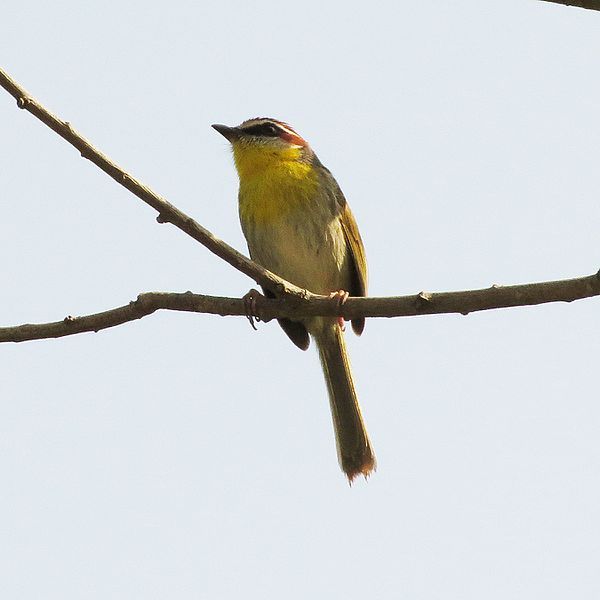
pixel 186 456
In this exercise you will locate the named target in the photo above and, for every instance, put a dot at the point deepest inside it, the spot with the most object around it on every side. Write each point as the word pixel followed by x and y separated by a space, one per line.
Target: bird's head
pixel 262 143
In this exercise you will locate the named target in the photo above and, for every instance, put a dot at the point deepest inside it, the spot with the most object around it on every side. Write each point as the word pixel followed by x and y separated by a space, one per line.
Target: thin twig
pixel 167 213
pixel 463 302
pixel 589 4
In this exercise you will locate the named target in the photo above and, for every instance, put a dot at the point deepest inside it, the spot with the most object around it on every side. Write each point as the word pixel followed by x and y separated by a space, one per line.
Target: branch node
pixel 292 296
pixel 23 101
pixel 162 218
pixel 422 301
pixel 69 319
pixel 139 304
pixel 495 286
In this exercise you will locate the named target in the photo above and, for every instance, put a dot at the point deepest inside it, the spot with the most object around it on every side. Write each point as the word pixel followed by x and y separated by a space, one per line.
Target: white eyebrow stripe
pixel 290 131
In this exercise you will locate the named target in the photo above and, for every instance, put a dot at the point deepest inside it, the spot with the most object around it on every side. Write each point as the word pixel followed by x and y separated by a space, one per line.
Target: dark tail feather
pixel 354 448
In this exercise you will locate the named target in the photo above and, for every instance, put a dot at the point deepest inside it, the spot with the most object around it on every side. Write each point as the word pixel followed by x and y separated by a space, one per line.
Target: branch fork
pixel 291 301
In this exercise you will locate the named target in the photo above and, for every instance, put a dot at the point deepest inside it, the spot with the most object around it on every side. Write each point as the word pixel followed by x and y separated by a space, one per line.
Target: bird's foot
pixel 250 308
pixel 340 298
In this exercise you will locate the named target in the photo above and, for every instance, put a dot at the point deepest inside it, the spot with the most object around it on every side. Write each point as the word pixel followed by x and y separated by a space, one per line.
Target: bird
pixel 297 224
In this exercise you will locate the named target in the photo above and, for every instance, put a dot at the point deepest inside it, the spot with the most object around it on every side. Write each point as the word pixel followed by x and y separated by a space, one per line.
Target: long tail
pixel 353 446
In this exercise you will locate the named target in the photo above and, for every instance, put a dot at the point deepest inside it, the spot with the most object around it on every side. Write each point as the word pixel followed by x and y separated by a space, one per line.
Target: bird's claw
pixel 250 309
pixel 340 297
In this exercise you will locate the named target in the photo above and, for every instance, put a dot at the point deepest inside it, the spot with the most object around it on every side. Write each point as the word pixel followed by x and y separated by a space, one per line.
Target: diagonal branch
pixel 167 212
pixel 565 290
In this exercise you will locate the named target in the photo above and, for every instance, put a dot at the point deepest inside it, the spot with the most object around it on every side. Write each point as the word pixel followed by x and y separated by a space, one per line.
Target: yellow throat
pixel 273 181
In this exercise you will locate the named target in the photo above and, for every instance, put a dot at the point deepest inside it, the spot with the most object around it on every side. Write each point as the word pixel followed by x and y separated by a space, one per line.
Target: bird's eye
pixel 263 129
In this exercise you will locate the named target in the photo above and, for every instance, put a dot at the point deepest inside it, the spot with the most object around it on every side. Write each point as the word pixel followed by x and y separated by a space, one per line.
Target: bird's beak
pixel 229 133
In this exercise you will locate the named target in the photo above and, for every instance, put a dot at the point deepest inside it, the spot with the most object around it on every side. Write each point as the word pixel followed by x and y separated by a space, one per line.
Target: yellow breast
pixel 290 222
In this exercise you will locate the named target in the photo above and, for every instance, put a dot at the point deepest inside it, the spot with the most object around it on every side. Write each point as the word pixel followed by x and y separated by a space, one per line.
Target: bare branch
pixel 167 213
pixel 145 305
pixel 464 302
pixel 589 4
pixel 295 303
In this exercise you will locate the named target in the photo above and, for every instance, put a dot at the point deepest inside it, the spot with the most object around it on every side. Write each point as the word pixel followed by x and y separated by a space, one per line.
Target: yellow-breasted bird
pixel 298 225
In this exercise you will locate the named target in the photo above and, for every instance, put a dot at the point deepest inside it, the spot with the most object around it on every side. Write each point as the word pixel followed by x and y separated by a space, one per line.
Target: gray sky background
pixel 186 456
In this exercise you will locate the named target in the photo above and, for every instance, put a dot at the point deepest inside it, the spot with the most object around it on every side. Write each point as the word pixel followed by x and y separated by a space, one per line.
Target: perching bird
pixel 298 225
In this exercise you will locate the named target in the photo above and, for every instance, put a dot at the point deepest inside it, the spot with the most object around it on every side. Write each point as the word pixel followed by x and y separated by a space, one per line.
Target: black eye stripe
pixel 263 129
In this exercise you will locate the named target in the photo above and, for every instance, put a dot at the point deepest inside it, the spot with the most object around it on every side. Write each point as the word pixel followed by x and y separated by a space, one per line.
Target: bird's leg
pixel 340 298
pixel 250 307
